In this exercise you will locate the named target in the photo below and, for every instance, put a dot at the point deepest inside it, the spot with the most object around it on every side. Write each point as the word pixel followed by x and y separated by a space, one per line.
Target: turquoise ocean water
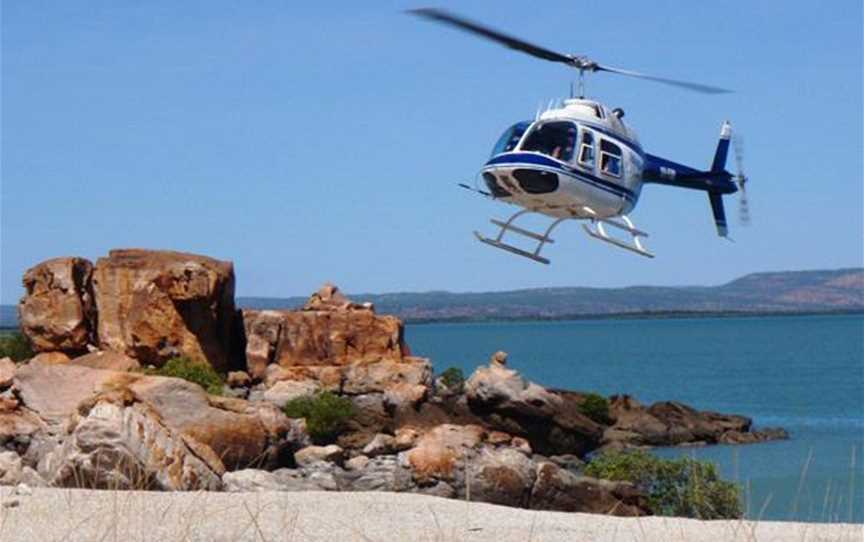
pixel 804 373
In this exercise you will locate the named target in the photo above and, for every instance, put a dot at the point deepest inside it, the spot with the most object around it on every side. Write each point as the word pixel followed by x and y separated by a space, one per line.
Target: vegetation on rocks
pixel 326 414
pixel 596 407
pixel 188 369
pixel 453 378
pixel 675 487
pixel 15 346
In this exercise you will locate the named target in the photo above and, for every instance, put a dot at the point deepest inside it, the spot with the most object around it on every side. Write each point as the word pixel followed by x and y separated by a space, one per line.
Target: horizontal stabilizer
pixel 719 213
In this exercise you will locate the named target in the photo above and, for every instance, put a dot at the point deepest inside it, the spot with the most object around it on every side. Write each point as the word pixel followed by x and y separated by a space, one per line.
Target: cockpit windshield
pixel 555 139
pixel 508 141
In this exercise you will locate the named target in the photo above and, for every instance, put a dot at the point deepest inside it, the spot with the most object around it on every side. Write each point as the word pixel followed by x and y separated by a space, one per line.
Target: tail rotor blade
pixel 741 181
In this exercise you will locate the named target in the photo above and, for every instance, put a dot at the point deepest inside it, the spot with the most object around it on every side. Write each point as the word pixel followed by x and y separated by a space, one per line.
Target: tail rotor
pixel 740 179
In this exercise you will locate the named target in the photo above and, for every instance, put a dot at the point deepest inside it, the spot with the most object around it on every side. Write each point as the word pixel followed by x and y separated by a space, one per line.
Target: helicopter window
pixel 610 158
pixel 510 138
pixel 586 150
pixel 555 139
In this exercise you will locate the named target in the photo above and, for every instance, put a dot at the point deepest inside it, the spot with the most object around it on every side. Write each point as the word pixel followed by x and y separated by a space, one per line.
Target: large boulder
pixel 113 361
pixel 558 489
pixel 118 442
pixel 240 433
pixel 154 305
pixel 670 423
pixel 551 421
pixel 329 330
pixel 56 312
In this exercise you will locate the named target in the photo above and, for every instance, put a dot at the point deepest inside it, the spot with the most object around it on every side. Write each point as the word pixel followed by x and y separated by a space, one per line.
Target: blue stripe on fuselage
pixel 529 159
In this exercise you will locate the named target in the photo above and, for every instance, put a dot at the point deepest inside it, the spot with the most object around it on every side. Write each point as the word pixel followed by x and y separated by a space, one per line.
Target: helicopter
pixel 579 160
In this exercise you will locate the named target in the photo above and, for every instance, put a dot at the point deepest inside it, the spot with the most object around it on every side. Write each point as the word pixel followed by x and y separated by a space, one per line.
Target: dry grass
pixel 76 514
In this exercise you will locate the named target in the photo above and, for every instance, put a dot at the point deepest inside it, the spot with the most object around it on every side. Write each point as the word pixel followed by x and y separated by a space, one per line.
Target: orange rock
pixel 50 358
pixel 436 454
pixel 114 361
pixel 56 313
pixel 154 305
pixel 7 372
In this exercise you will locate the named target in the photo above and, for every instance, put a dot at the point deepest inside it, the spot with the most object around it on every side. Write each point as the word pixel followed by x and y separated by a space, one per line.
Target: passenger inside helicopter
pixel 556 139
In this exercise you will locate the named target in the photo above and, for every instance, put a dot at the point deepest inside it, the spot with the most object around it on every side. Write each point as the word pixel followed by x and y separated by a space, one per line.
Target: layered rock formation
pixel 150 305
pixel 82 412
pixel 81 426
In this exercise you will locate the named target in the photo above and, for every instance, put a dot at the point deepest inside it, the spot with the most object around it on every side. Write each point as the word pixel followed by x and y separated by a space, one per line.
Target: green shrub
pixel 675 487
pixel 326 414
pixel 596 407
pixel 15 346
pixel 453 378
pixel 188 369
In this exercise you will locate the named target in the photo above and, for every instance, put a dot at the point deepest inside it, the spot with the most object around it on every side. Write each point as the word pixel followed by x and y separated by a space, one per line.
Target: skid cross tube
pixel 597 231
pixel 541 239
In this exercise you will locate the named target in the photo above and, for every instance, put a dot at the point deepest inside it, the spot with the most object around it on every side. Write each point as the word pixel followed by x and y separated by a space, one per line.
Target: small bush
pixel 326 414
pixel 453 378
pixel 675 487
pixel 198 373
pixel 15 346
pixel 596 407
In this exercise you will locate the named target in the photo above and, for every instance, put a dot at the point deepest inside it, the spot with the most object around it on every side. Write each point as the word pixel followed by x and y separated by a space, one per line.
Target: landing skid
pixel 596 230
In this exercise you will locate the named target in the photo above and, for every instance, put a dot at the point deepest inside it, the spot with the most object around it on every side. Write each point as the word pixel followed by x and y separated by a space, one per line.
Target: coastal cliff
pixel 91 408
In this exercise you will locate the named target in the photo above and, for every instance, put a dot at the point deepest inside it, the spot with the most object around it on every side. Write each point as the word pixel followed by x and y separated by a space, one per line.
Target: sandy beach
pixel 64 514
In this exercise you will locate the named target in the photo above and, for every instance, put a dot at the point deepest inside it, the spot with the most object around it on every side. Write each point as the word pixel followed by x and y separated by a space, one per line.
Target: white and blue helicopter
pixel 578 160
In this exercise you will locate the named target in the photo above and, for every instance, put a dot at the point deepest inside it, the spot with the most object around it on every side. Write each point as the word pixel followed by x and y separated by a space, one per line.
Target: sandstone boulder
pixel 154 305
pixel 56 312
pixel 329 330
pixel 501 476
pixel 439 454
pixel 550 421
pixel 318 454
pixel 558 489
pixel 241 433
pixel 7 372
pixel 11 468
pixel 120 443
pixel 113 361
pixel 50 358
pixel 287 390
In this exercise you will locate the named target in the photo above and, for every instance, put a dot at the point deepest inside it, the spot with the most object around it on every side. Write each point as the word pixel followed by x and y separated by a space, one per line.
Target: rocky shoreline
pixel 85 412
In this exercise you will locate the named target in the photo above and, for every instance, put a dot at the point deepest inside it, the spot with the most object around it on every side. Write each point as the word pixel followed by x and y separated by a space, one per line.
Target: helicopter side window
pixel 510 138
pixel 610 158
pixel 555 139
pixel 586 150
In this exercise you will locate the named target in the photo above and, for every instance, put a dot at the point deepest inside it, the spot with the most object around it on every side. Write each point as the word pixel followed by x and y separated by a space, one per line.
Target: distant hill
pixel 840 290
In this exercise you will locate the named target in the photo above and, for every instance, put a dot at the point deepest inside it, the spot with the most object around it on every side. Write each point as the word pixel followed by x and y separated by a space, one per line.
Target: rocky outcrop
pixel 329 331
pixel 147 304
pixel 238 432
pixel 464 462
pixel 119 442
pixel 154 305
pixel 550 421
pixel 113 361
pixel 81 412
pixel 671 423
pixel 57 311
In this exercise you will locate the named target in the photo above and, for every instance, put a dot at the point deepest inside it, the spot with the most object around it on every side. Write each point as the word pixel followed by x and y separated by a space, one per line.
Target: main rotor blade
pixel 475 28
pixel 674 82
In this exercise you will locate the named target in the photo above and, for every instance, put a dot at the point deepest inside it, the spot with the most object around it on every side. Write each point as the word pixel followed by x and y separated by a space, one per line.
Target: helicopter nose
pixel 496 187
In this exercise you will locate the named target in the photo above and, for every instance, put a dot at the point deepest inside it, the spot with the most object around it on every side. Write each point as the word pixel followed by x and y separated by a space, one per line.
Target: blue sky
pixel 322 141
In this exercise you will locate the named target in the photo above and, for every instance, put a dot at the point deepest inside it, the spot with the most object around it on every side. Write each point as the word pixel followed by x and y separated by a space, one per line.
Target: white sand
pixel 61 514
